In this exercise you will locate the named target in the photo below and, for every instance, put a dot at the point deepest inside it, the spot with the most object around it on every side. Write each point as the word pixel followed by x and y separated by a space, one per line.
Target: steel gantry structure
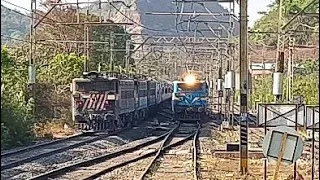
pixel 194 19
pixel 174 51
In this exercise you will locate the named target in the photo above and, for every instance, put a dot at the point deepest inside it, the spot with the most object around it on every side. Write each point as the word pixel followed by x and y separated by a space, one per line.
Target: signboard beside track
pixel 293 145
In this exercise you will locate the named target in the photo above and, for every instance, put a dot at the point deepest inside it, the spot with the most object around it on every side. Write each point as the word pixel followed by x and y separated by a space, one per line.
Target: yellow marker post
pixel 283 146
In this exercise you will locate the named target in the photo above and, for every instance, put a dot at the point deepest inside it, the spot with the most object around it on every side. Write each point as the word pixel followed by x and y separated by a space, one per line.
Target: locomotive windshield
pixel 83 86
pixel 105 85
pixel 96 86
pixel 191 87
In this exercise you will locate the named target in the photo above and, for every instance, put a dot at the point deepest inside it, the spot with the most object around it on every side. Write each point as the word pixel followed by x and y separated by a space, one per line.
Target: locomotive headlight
pixel 190 79
pixel 175 98
pixel 111 97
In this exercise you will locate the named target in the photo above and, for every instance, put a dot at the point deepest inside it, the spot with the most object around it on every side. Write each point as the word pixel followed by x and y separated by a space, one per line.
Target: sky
pixel 254 6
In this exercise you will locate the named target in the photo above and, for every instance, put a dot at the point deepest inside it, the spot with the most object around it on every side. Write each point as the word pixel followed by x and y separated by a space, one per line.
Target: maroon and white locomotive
pixel 101 103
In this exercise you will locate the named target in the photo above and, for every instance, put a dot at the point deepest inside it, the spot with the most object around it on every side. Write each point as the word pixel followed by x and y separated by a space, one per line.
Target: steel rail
pixel 111 168
pixel 195 154
pixel 58 172
pixel 56 151
pixel 162 149
pixel 32 147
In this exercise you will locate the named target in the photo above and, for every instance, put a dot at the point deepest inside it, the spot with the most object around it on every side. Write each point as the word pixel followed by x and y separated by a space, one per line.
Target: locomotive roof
pixel 174 82
pixel 87 79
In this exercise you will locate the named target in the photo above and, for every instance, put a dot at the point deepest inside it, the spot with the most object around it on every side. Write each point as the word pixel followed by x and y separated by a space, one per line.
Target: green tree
pixel 53 92
pixel 307 67
pixel 306 86
pixel 16 113
pixel 269 23
pixel 98 52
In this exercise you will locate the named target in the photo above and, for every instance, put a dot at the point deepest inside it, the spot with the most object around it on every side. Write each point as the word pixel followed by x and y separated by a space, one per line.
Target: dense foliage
pixel 305 84
pixel 308 26
pixel 98 51
pixel 16 119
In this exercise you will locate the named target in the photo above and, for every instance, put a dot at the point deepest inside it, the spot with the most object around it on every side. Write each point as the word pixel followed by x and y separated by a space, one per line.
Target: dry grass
pixel 228 169
pixel 214 168
pixel 52 129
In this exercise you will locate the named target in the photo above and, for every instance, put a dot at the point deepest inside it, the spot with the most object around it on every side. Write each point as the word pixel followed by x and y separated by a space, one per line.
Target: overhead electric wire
pixel 26 10
pixel 141 25
pixel 37 14
pixel 15 5
pixel 23 40
pixel 25 15
pixel 18 12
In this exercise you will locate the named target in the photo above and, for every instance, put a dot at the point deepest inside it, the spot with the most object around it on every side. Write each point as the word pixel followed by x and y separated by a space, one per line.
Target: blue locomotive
pixel 189 99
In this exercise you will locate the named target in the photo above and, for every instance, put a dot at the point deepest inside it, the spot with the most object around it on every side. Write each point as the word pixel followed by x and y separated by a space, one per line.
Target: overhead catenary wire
pixel 17 6
pixel 138 24
pixel 18 12
pixel 22 40
pixel 117 9
pixel 43 16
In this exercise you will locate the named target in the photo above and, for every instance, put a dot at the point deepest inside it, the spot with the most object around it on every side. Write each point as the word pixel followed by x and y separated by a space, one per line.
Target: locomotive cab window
pixel 191 87
pixel 152 92
pixel 142 93
pixel 102 85
pixel 83 86
pixel 126 94
pixel 105 86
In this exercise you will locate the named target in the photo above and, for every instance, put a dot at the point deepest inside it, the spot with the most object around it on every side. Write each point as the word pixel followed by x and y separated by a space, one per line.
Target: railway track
pixel 86 168
pixel 31 153
pixel 53 155
pixel 99 166
pixel 173 163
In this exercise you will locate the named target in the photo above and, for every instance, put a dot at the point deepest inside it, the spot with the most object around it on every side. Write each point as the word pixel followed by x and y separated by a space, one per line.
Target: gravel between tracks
pixel 228 168
pixel 84 172
pixel 75 155
pixel 176 163
pixel 44 149
pixel 129 172
pixel 173 159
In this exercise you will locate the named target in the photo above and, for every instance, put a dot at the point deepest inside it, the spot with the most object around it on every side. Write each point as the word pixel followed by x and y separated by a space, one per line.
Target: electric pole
pixel 32 65
pixel 243 87
pixel 278 74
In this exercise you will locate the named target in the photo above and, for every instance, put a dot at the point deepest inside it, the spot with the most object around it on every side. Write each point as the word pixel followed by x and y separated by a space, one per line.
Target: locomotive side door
pixel 136 94
pixel 148 92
